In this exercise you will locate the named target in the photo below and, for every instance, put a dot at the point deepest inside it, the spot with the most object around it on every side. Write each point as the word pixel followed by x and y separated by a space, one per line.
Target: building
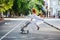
pixel 54 8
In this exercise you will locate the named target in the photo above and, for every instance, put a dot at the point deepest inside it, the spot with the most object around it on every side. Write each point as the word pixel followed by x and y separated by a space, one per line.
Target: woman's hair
pixel 33 11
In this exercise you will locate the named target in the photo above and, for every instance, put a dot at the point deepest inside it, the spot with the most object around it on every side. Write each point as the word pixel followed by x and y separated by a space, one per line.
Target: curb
pixel 52 26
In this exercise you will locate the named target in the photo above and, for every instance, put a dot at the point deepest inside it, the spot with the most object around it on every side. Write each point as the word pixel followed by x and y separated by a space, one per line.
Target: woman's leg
pixel 38 27
pixel 22 30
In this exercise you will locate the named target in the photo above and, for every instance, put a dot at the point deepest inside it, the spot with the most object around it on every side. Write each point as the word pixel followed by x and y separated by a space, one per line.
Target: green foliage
pixel 5 5
pixel 27 5
pixel 15 6
pixel 23 6
pixel 38 5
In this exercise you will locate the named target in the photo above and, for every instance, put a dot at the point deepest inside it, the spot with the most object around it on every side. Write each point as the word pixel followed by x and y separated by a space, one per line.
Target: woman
pixel 38 20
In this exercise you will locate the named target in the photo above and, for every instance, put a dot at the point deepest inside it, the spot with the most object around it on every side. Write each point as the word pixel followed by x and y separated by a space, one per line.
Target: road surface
pixel 46 32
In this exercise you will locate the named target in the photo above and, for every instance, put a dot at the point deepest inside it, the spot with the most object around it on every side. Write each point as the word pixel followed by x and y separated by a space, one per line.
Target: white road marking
pixel 10 31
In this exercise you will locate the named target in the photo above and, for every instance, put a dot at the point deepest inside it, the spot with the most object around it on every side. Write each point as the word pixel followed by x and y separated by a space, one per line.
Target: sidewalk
pixel 16 18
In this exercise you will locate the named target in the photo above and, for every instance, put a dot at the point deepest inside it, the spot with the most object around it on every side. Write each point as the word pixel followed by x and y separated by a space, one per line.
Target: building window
pixel 58 2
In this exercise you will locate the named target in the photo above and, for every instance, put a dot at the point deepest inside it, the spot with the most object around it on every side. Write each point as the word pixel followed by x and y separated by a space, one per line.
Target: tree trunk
pixel 8 13
pixel 1 14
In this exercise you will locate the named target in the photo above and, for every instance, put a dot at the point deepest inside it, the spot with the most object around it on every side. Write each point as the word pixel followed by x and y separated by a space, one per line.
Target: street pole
pixel 48 8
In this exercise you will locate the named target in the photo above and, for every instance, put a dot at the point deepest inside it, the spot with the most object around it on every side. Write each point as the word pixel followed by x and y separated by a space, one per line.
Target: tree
pixel 24 6
pixel 38 4
pixel 15 7
pixel 5 5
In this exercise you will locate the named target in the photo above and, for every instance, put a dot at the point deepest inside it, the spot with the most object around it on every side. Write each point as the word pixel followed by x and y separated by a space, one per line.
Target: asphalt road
pixel 54 22
pixel 46 32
